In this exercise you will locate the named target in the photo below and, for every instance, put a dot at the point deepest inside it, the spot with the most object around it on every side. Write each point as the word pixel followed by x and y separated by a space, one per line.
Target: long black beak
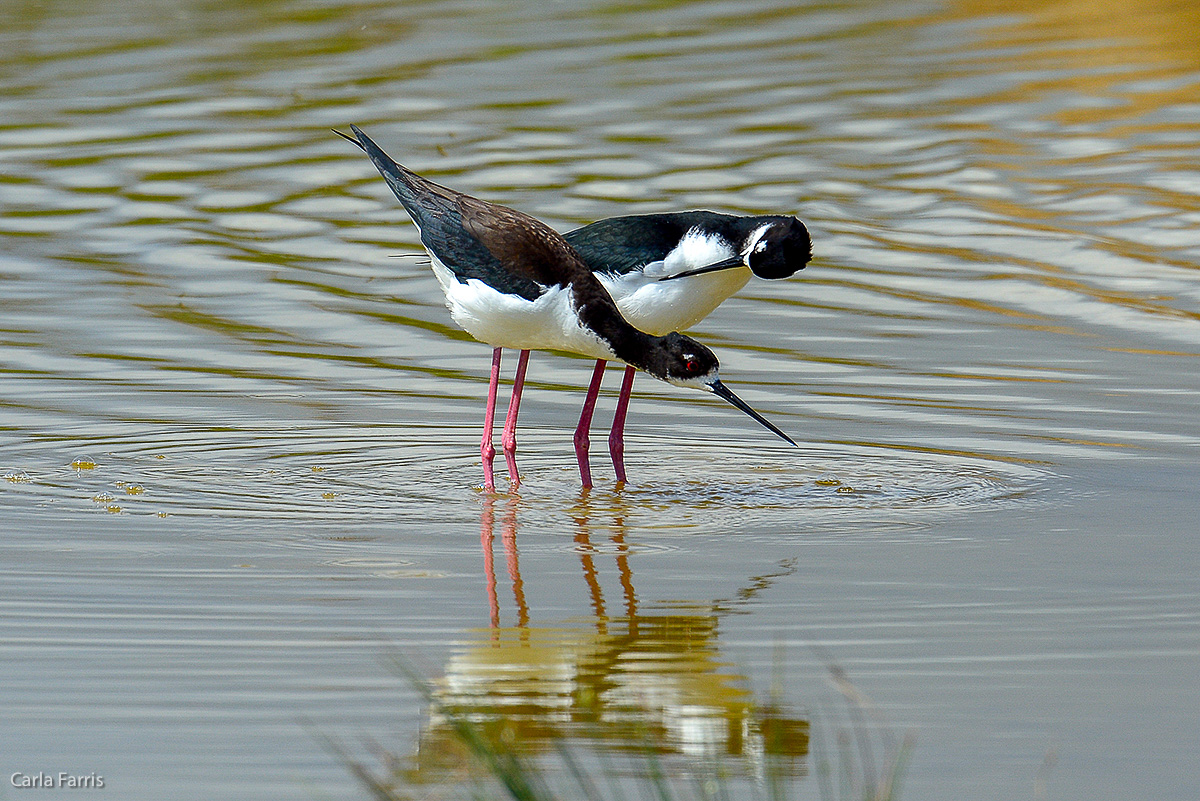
pixel 725 392
pixel 732 261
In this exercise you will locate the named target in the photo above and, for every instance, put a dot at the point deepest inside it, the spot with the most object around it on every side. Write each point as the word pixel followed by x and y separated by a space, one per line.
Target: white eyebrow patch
pixel 756 243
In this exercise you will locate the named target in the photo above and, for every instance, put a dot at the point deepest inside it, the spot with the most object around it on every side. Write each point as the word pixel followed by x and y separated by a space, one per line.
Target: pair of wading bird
pixel 619 289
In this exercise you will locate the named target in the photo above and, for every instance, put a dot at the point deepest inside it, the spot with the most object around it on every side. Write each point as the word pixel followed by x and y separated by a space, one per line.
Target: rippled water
pixel 240 444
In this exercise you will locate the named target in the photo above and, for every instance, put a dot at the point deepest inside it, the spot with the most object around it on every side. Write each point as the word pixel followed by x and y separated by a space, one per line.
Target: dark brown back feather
pixel 525 245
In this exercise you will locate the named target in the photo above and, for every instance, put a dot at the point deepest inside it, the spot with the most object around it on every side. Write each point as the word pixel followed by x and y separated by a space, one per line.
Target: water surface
pixel 240 444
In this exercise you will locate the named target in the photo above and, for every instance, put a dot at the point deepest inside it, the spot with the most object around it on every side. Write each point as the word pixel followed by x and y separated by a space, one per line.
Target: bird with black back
pixel 511 281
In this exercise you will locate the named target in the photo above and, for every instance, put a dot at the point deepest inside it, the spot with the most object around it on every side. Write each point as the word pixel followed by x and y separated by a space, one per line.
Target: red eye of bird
pixel 692 365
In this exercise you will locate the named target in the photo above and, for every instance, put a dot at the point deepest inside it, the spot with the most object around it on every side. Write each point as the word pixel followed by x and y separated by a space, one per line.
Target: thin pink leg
pixel 582 441
pixel 486 449
pixel 509 439
pixel 616 437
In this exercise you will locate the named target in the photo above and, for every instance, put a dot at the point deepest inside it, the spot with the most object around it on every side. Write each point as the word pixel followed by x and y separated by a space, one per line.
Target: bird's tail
pixel 349 139
pixel 403 181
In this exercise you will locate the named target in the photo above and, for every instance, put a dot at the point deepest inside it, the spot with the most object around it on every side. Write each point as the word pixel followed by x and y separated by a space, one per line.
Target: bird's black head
pixel 783 247
pixel 681 360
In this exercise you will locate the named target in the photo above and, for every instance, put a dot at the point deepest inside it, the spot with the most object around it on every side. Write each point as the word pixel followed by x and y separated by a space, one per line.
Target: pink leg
pixel 486 449
pixel 616 437
pixel 582 441
pixel 509 439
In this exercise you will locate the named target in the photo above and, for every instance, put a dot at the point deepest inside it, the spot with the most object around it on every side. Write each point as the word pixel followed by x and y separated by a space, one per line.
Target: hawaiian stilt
pixel 667 272
pixel 513 282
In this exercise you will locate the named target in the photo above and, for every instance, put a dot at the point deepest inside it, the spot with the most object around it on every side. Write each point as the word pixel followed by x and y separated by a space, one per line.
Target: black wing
pixel 622 245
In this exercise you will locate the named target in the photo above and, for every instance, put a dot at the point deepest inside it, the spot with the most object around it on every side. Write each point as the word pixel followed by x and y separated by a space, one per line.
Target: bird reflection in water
pixel 640 680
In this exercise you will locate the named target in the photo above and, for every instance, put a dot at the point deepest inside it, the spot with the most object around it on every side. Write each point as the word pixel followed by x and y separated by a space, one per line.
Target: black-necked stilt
pixel 667 272
pixel 513 282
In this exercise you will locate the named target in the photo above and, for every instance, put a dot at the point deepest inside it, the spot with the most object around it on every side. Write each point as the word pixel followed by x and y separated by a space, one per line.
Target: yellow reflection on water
pixel 1126 54
pixel 1133 31
pixel 626 679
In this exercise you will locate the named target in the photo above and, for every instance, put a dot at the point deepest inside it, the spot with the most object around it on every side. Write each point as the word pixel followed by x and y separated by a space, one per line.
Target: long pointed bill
pixel 725 392
pixel 733 261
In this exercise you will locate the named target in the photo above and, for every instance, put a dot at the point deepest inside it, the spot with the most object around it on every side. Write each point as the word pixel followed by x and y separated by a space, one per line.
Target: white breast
pixel 510 321
pixel 659 307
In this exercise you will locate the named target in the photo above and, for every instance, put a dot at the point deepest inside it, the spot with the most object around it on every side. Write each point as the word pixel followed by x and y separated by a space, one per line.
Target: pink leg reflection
pixel 487 523
pixel 508 535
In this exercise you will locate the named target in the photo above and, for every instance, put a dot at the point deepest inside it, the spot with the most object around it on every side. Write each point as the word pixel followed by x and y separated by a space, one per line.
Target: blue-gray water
pixel 240 441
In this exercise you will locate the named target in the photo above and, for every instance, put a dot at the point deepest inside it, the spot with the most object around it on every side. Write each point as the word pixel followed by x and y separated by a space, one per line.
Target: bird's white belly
pixel 510 321
pixel 660 307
